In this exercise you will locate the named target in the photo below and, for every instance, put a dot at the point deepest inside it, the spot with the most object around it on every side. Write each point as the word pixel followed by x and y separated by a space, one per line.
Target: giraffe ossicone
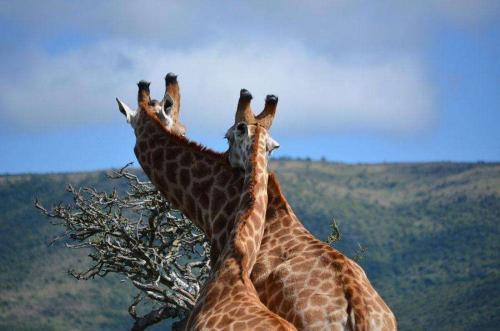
pixel 166 110
pixel 240 134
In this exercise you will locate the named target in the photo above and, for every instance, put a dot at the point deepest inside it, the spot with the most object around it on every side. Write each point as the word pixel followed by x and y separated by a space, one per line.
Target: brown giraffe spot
pixel 171 176
pixel 286 305
pixel 232 204
pixel 270 214
pixel 218 199
pixel 240 311
pixel 162 141
pixel 186 160
pixel 190 204
pixel 151 144
pixel 356 300
pixel 349 272
pixel 239 325
pixel 204 200
pixel 316 246
pixel 224 293
pixel 298 322
pixel 303 266
pixel 178 193
pixel 158 157
pixel 184 177
pixel 225 320
pixel 213 292
pixel 312 315
pixel 233 190
pixel 240 296
pixel 161 182
pixel 275 301
pixel 327 286
pixel 200 170
pixel 337 266
pixel 313 282
pixel 306 293
pixel 222 238
pixel 339 302
pixel 254 320
pixel 223 178
pixel 275 251
pixel 156 136
pixel 171 153
pixel 142 146
pixel 281 233
pixel 218 224
pixel 318 300
pixel 212 321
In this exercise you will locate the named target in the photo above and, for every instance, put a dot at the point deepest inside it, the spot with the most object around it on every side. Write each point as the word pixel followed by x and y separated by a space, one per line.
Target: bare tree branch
pixel 136 234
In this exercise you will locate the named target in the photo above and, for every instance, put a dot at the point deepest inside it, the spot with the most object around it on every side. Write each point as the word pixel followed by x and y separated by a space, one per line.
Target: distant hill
pixel 431 232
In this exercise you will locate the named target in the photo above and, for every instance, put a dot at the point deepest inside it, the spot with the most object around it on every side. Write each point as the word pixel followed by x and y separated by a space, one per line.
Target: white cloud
pixel 385 25
pixel 338 65
pixel 317 93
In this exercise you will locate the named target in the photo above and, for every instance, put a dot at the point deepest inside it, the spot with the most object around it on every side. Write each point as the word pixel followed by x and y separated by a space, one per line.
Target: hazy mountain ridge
pixel 431 230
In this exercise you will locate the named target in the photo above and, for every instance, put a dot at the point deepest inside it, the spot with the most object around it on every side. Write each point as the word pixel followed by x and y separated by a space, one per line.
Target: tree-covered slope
pixel 430 230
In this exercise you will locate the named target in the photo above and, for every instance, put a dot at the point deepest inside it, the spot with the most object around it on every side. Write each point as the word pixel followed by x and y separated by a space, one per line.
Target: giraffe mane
pixel 274 185
pixel 220 157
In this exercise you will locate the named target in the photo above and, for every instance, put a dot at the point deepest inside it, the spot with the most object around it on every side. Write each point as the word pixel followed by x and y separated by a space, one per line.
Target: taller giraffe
pixel 194 179
pixel 238 240
pixel 203 185
pixel 229 301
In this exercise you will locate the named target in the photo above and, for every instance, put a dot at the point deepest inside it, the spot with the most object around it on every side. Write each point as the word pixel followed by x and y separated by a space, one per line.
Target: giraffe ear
pixel 125 110
pixel 271 144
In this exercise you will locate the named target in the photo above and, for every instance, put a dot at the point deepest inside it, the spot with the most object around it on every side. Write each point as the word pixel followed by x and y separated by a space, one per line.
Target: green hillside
pixel 430 229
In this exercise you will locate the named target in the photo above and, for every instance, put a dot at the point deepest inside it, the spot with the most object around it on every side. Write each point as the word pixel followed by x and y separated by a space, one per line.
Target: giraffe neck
pixel 229 280
pixel 248 230
pixel 194 179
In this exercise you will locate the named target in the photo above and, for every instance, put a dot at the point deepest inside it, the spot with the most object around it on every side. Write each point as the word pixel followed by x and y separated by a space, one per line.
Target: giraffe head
pixel 166 110
pixel 241 135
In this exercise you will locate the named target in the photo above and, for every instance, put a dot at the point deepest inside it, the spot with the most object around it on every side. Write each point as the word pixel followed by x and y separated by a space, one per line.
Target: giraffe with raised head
pixel 199 182
pixel 205 187
pixel 229 300
pixel 305 280
pixel 206 193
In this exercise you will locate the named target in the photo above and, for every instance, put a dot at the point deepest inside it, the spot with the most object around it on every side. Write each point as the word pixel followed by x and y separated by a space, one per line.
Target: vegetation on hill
pixel 430 229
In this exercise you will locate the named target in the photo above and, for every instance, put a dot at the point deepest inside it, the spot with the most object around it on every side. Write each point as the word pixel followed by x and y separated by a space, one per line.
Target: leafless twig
pixel 139 235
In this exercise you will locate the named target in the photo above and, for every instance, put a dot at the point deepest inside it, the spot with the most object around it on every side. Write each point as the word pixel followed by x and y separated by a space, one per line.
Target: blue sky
pixel 358 81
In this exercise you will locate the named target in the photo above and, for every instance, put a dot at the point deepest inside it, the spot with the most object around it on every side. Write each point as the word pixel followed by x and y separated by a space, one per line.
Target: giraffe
pixel 305 280
pixel 229 300
pixel 203 185
pixel 235 243
pixel 196 180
